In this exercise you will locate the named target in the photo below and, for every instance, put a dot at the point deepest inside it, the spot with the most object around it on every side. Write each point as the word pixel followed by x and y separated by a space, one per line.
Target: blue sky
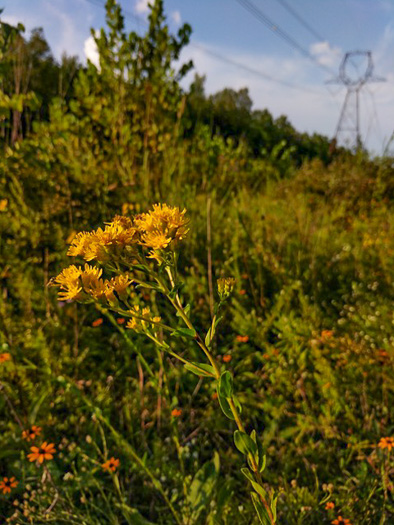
pixel 226 28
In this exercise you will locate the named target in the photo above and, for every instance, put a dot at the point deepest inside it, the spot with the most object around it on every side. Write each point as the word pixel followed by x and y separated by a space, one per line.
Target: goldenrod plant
pixel 134 254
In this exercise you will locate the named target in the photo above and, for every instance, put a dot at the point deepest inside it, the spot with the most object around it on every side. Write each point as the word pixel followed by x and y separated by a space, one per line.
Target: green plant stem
pixel 179 308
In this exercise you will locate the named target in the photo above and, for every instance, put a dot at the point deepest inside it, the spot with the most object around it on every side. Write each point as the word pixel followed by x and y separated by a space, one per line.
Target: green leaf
pixel 202 487
pixel 224 405
pixel 259 489
pixel 201 369
pixel 212 330
pixel 244 443
pixel 185 332
pixel 261 511
pixel 186 311
pixel 260 456
pixel 246 472
pixel 262 462
pixel 226 384
pixel 208 337
pixel 273 506
pixel 237 404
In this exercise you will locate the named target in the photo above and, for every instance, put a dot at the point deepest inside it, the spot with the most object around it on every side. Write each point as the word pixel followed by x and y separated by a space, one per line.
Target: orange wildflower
pixel 242 338
pixel 327 334
pixel 8 484
pixel 214 395
pixel 111 464
pixel 227 358
pixel 330 505
pixel 5 357
pixel 98 322
pixel 32 433
pixel 242 292
pixel 120 320
pixel 176 412
pixel 387 442
pixel 44 451
pixel 341 521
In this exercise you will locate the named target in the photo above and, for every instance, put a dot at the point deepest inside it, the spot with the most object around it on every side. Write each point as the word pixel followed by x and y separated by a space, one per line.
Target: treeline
pixel 307 332
pixel 31 74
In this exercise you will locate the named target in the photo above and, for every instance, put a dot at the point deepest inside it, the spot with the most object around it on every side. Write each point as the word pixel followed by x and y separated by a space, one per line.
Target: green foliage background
pixel 306 232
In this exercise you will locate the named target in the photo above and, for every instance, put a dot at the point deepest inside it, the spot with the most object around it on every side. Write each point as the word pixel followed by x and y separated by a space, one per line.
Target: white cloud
pixel 91 52
pixel 176 17
pixel 325 54
pixel 142 6
pixel 69 38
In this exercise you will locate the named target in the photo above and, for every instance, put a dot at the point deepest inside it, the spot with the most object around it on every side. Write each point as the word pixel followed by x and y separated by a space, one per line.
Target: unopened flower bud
pixel 225 287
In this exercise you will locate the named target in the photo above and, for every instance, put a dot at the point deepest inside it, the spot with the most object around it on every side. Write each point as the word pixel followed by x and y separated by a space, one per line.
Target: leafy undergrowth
pixel 307 332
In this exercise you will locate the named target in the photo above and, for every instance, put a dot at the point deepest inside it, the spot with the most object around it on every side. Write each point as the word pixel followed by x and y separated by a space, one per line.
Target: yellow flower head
pixel 156 240
pixel 68 276
pixel 80 244
pixel 140 325
pixel 118 284
pixel 72 292
pixel 161 226
pixel 69 284
pixel 90 276
pixel 95 245
pixel 118 232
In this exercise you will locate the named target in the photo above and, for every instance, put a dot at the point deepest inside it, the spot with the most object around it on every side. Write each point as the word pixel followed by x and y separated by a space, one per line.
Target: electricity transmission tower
pixel 355 71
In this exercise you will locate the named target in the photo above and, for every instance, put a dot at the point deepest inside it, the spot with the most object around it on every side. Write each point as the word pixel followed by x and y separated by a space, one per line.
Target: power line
pixel 301 20
pixel 261 17
pixel 221 57
pixel 252 70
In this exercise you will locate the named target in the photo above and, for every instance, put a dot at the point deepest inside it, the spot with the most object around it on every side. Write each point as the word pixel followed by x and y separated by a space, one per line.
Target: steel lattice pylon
pixel 348 128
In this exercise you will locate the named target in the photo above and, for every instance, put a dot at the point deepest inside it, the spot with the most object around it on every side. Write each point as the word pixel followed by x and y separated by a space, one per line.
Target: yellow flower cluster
pixel 77 283
pixel 97 244
pixel 159 227
pixel 155 230
pixel 118 243
pixel 137 324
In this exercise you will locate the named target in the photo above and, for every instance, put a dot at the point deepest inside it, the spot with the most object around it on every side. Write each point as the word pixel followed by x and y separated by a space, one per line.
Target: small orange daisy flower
pixel 242 338
pixel 44 451
pixel 8 484
pixel 341 521
pixel 97 322
pixel 5 357
pixel 327 334
pixel 176 412
pixel 214 395
pixel 330 505
pixel 120 320
pixel 387 442
pixel 227 358
pixel 111 464
pixel 32 433
pixel 242 292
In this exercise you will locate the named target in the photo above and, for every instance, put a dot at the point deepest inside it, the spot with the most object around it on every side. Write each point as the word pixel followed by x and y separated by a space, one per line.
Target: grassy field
pixel 305 336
